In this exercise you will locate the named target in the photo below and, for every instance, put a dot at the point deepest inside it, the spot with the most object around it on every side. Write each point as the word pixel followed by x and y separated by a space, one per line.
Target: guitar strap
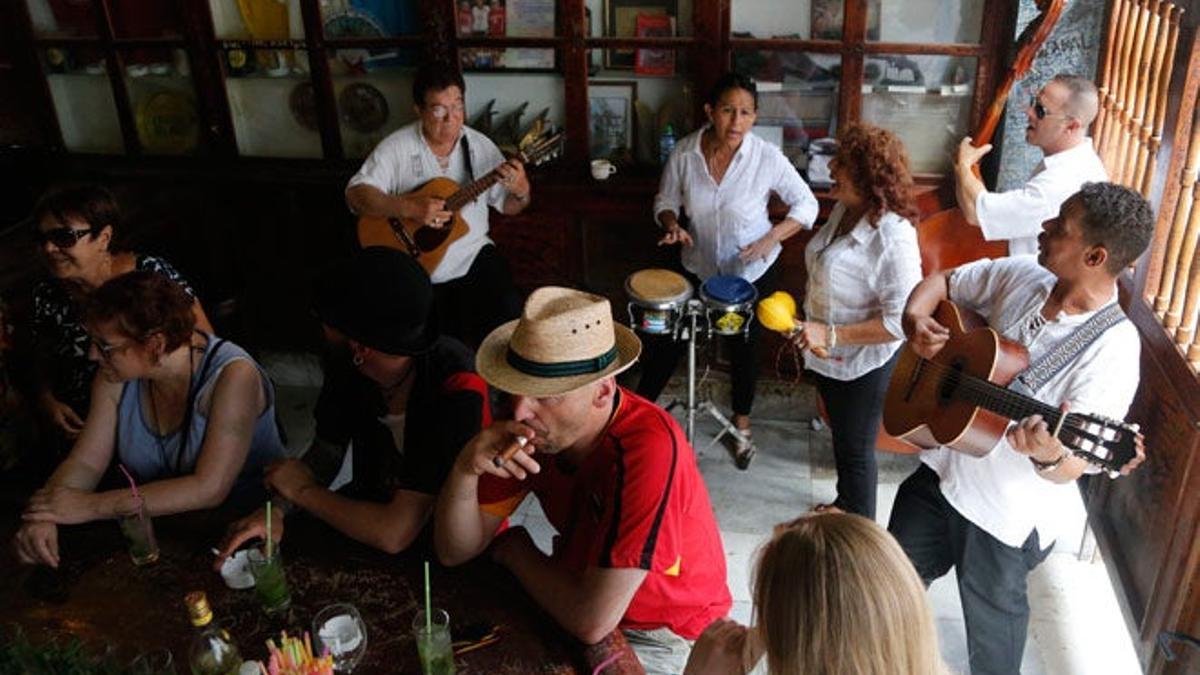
pixel 1034 377
pixel 466 147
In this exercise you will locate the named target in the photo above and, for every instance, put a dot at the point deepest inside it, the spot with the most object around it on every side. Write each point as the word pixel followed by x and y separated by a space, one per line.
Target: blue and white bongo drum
pixel 729 304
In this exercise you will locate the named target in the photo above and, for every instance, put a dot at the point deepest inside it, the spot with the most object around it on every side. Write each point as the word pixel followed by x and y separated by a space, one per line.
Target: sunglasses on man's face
pixel 1040 111
pixel 62 237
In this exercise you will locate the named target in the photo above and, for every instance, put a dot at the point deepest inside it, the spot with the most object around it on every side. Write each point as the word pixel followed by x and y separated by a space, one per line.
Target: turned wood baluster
pixel 1178 275
pixel 1104 91
pixel 1144 176
pixel 1128 86
pixel 1132 139
pixel 1117 89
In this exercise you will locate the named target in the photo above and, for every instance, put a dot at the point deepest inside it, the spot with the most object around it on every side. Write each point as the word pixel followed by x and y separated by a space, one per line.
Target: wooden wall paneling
pixel 318 66
pixel 854 34
pixel 1142 519
pixel 574 59
pixel 116 78
pixel 204 59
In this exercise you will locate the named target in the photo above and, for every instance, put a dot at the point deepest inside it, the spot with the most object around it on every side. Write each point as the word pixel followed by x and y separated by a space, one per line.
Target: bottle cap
pixel 198 609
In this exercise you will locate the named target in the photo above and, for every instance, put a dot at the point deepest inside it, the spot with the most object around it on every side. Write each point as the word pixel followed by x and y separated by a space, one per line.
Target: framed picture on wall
pixel 621 20
pixel 506 18
pixel 612 130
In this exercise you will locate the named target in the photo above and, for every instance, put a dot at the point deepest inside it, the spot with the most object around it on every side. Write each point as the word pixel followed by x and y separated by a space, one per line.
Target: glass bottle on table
pixel 212 652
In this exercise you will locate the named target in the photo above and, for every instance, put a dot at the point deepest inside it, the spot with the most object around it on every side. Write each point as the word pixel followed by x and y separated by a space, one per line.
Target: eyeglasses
pixel 106 350
pixel 441 112
pixel 1040 111
pixel 62 237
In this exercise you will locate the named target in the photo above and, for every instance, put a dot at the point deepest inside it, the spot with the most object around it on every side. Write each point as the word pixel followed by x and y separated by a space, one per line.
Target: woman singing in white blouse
pixel 861 267
pixel 722 176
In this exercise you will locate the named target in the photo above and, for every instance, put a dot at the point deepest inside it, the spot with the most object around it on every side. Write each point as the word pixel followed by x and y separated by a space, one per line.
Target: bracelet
pixel 832 330
pixel 1047 467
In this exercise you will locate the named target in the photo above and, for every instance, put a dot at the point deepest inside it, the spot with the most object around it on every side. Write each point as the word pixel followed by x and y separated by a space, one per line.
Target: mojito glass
pixel 270 582
pixel 139 535
pixel 433 643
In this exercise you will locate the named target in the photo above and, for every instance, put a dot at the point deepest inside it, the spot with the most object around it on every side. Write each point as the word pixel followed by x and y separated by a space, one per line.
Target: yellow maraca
pixel 777 312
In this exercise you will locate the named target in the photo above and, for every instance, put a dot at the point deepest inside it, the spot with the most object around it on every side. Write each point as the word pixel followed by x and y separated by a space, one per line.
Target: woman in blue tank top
pixel 190 416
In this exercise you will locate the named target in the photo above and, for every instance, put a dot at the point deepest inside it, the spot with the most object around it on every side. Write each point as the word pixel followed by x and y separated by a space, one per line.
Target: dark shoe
pixel 743 449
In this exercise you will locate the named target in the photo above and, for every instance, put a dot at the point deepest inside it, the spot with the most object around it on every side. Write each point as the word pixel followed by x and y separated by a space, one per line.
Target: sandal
pixel 744 449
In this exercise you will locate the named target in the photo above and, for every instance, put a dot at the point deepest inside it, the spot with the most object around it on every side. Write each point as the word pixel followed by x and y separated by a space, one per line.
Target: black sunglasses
pixel 62 237
pixel 1040 111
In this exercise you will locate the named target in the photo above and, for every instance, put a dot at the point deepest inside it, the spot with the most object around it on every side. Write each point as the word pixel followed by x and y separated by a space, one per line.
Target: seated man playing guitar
pixel 983 515
pixel 473 289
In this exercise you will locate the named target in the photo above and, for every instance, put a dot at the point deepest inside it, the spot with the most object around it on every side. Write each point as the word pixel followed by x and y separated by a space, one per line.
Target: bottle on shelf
pixel 666 143
pixel 212 652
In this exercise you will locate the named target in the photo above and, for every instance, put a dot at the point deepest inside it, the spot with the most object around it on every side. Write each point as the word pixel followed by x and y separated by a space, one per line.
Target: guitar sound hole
pixel 950 381
pixel 429 238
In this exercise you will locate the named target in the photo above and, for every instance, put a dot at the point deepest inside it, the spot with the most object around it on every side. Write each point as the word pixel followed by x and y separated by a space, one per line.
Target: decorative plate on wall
pixel 303 104
pixel 167 123
pixel 363 107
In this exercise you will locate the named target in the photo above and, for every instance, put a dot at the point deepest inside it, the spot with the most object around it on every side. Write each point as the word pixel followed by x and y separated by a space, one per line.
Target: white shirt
pixel 1001 492
pixel 403 162
pixel 864 274
pixel 733 214
pixel 1017 215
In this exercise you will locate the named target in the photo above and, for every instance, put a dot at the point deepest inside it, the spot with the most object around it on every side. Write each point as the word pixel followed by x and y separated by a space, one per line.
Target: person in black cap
pixel 405 398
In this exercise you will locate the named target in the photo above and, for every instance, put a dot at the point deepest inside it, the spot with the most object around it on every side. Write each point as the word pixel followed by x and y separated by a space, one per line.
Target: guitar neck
pixel 994 398
pixel 470 192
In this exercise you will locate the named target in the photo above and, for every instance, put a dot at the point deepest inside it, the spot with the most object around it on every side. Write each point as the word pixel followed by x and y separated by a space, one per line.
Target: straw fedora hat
pixel 563 340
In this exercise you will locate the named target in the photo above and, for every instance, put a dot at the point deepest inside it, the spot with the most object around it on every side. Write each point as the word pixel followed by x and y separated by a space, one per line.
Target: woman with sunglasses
pixel 833 594
pixel 75 231
pixel 190 416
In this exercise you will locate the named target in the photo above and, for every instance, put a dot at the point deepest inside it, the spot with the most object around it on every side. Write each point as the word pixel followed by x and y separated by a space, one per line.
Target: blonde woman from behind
pixel 833 595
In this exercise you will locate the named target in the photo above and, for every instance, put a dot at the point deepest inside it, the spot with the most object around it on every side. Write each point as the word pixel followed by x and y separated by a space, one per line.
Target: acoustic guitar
pixel 429 244
pixel 958 398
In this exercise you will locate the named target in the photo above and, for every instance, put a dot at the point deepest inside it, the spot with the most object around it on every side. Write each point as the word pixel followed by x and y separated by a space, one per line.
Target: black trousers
pixel 469 307
pixel 991 575
pixel 661 354
pixel 855 408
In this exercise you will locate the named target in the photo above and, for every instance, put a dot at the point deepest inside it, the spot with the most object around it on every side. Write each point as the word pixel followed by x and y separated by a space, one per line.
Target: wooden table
pixel 99 595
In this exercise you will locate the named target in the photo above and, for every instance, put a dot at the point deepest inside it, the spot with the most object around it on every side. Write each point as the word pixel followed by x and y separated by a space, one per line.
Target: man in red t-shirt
pixel 638 546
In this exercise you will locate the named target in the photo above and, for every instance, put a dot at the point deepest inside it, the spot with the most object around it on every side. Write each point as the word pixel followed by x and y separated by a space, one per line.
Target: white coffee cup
pixel 602 169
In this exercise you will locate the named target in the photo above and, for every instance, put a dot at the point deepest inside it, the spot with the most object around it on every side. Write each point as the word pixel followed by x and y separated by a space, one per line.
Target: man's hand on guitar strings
pixel 512 174
pixel 927 336
pixel 429 211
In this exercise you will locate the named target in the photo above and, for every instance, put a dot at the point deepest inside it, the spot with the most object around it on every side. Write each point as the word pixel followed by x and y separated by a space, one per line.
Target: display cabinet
pixel 327 79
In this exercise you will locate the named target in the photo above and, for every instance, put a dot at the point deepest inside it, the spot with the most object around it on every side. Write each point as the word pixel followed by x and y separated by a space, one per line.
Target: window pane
pixel 62 17
pixel 505 106
pixel 257 19
pixel 937 21
pixel 375 101
pixel 144 18
pixel 369 18
pixel 83 101
pixel 273 103
pixel 621 18
pixel 926 100
pixel 629 110
pixel 163 100
pixel 505 18
pixel 804 20
pixel 797 98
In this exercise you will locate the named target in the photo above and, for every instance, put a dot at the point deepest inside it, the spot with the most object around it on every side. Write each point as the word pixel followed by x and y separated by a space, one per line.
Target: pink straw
pixel 137 497
pixel 605 663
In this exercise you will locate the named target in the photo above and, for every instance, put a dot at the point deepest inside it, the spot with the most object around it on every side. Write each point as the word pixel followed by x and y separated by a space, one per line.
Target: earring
pixel 357 360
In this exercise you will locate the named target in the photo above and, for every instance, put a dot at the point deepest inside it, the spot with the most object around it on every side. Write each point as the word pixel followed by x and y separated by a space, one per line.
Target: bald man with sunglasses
pixel 1058 120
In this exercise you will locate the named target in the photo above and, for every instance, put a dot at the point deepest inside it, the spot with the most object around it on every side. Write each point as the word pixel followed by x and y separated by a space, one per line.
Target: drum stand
pixel 693 310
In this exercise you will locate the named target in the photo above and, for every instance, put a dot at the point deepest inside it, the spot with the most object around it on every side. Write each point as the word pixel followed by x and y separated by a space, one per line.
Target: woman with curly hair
pixel 833 594
pixel 861 267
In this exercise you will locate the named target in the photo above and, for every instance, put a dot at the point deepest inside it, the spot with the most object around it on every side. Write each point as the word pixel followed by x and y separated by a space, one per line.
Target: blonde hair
pixel 834 594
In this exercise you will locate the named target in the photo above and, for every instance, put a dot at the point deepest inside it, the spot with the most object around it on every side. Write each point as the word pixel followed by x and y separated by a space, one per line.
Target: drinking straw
pixel 428 608
pixel 137 497
pixel 268 530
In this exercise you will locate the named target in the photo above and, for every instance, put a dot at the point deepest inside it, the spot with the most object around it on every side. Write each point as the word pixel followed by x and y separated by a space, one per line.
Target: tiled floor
pixel 1076 626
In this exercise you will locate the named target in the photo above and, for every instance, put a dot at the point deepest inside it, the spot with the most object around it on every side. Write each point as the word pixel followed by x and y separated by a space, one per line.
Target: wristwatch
pixel 1047 467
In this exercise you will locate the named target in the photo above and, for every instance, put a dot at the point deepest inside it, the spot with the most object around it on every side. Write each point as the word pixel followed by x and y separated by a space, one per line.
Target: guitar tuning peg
pixel 1135 427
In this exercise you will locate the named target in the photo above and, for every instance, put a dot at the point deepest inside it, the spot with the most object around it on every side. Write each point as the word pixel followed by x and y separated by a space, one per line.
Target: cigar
pixel 509 452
